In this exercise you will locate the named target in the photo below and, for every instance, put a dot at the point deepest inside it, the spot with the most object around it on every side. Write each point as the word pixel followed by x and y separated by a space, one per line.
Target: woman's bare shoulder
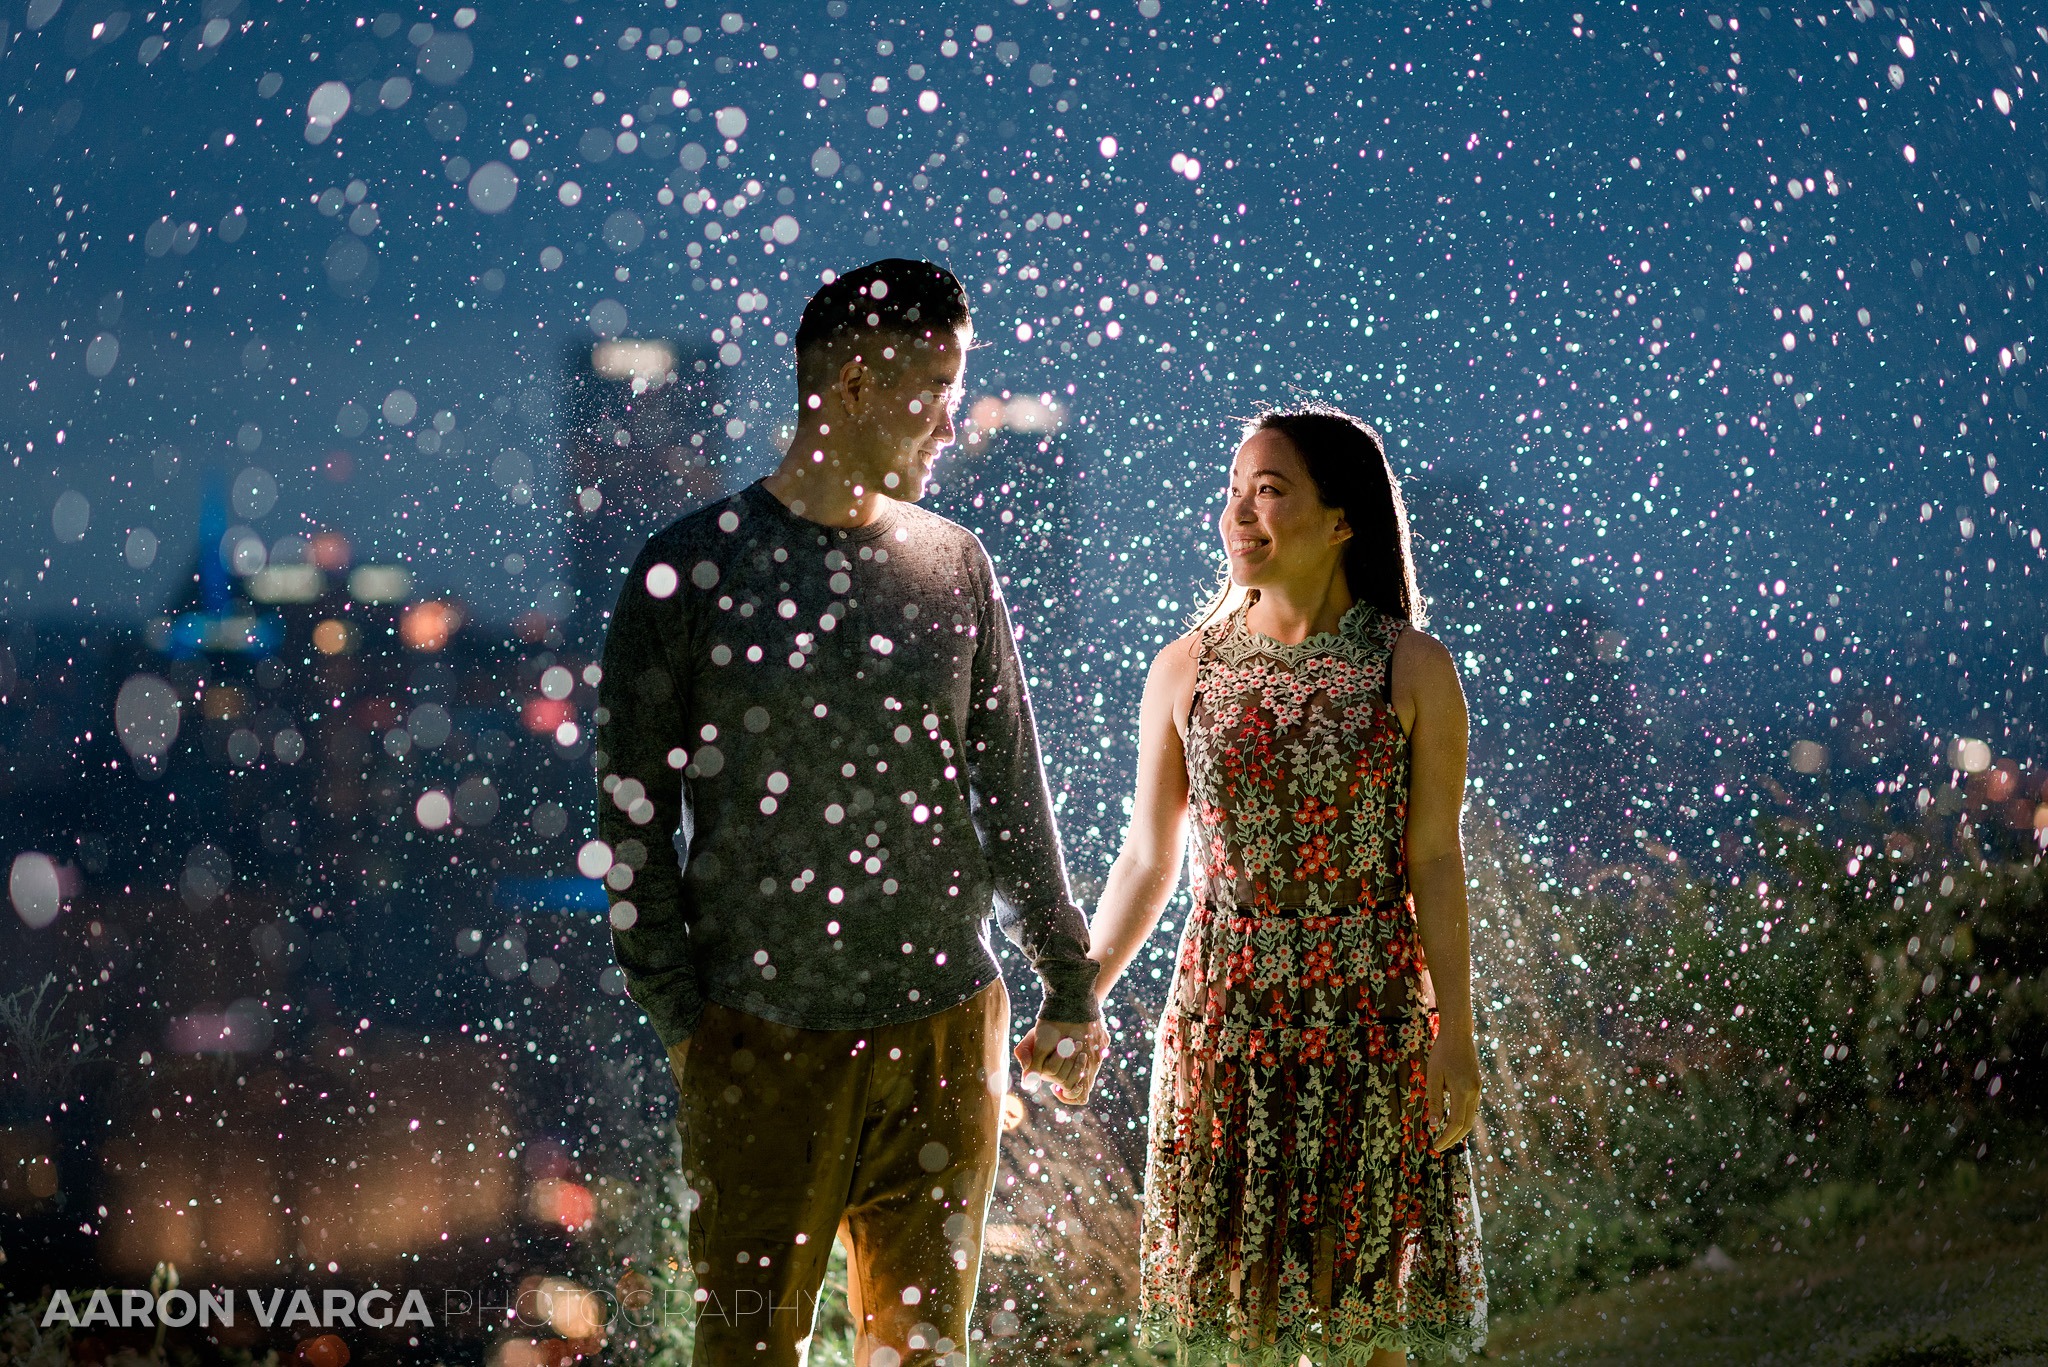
pixel 1418 648
pixel 1424 668
pixel 1172 680
pixel 1180 655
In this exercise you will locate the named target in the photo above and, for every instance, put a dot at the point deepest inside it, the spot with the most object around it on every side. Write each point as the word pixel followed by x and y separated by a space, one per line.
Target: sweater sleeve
pixel 643 722
pixel 1013 819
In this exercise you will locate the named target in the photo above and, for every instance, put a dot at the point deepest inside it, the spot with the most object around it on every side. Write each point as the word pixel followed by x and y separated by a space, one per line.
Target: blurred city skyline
pixel 348 354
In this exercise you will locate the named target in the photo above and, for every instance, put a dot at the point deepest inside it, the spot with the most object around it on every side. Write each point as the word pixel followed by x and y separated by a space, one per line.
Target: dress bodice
pixel 1298 768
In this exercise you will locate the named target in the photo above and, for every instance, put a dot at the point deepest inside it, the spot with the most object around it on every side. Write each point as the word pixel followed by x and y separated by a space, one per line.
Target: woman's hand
pixel 1452 1077
pixel 1068 1055
pixel 678 1054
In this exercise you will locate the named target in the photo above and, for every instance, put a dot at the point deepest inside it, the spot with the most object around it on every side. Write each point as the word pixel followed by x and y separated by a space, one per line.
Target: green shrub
pixel 1678 1057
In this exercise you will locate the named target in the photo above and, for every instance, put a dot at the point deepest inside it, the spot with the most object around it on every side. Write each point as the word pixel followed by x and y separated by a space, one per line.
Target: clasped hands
pixel 1066 1054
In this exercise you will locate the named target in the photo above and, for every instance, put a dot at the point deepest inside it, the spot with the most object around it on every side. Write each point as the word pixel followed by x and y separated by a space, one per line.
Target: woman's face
pixel 1274 525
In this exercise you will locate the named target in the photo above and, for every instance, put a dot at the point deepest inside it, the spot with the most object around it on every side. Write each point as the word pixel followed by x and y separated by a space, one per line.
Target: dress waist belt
pixel 1297 913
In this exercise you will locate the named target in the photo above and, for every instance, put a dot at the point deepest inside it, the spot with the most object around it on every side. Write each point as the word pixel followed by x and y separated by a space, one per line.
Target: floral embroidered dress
pixel 1292 1203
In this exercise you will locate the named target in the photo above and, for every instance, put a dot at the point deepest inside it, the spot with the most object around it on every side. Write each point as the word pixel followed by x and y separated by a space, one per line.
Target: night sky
pixel 1704 339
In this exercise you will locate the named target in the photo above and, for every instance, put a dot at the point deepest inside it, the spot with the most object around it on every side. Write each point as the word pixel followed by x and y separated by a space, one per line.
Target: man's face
pixel 908 408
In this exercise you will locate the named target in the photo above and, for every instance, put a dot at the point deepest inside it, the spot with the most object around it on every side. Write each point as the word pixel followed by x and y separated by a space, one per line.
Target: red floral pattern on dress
pixel 1292 1203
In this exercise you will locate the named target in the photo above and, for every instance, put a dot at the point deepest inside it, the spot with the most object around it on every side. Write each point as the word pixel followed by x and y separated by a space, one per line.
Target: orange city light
pixel 544 715
pixel 563 1203
pixel 330 551
pixel 332 637
pixel 427 626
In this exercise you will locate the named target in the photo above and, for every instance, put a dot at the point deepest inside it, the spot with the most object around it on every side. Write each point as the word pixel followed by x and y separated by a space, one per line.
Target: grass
pixel 1948 1277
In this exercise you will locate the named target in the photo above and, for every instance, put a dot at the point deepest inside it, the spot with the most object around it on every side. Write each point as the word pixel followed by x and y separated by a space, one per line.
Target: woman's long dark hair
pixel 1348 462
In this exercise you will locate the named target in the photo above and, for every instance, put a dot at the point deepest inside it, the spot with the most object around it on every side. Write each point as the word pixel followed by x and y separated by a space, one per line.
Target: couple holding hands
pixel 812 695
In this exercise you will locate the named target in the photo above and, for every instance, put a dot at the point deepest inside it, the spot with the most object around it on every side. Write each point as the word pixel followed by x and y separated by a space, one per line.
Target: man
pixel 813 690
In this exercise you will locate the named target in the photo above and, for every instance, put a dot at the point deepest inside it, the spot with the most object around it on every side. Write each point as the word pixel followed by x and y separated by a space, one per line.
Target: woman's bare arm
pixel 1142 879
pixel 1431 703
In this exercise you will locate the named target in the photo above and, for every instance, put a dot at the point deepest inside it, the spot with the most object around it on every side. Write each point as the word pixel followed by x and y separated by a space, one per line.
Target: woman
pixel 1307 1192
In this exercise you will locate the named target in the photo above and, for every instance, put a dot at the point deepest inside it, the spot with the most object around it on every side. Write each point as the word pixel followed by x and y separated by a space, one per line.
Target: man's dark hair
pixel 897 296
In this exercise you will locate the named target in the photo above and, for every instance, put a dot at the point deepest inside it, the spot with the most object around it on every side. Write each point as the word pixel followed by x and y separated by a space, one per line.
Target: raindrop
pixel 326 105
pixel 146 716
pixel 505 958
pixel 444 57
pixel 732 121
pixel 429 724
pixel 400 407
pixel 71 515
pixel 493 188
pixel 140 549
pixel 623 231
pixel 433 809
pixel 208 874
pixel 446 121
pixel 254 493
pixel 607 318
pixel 100 355
pixel 512 469
pixel 33 887
pixel 349 263
pixel 352 419
pixel 594 860
pixel 476 800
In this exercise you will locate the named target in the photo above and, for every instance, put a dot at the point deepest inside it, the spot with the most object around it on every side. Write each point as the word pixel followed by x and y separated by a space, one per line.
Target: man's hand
pixel 1453 1081
pixel 1067 1054
pixel 677 1054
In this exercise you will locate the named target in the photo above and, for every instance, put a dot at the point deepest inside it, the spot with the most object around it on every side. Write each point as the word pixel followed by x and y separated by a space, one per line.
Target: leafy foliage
pixel 1676 1056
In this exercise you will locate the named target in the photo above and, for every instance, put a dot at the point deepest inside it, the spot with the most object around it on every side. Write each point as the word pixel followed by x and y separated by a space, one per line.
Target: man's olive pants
pixel 885 1137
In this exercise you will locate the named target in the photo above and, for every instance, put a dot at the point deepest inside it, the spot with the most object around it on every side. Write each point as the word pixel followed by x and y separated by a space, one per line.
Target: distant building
pixel 645 417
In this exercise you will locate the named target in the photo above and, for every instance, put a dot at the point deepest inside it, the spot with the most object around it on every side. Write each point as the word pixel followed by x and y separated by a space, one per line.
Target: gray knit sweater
pixel 831 727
